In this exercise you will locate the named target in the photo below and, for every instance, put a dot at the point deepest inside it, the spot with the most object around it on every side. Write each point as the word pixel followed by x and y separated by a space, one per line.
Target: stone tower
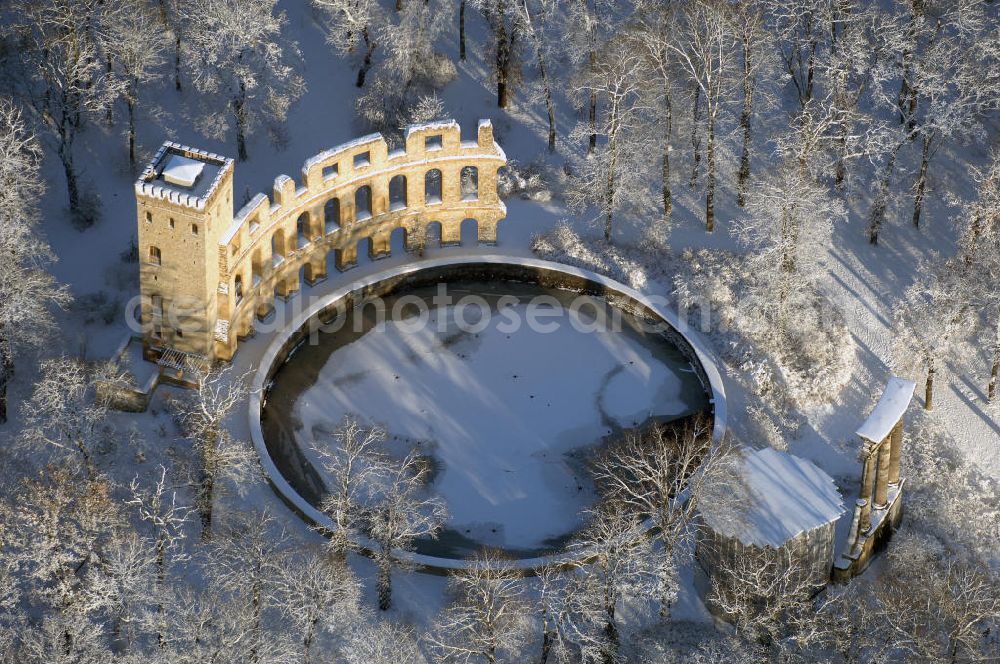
pixel 184 203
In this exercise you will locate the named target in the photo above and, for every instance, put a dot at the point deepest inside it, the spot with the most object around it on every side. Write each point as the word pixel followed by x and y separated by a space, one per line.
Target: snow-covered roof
pixel 779 496
pixel 154 181
pixel 889 409
pixel 182 171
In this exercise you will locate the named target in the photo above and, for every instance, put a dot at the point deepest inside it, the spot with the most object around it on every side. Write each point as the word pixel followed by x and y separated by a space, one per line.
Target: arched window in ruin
pixel 397 193
pixel 470 183
pixel 154 255
pixel 277 248
pixel 238 287
pixel 469 232
pixel 432 186
pixel 302 230
pixel 363 203
pixel 331 215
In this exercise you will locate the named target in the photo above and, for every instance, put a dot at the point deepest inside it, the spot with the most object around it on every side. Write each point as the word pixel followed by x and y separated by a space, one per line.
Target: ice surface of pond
pixel 508 415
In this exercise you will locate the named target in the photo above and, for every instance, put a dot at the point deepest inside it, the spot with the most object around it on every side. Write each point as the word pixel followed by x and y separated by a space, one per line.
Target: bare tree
pixel 979 251
pixel 136 42
pixel 487 617
pixel 937 605
pixel 652 35
pixel 158 506
pixel 659 472
pixel 385 641
pixel 954 86
pixel 235 48
pixel 800 28
pixel 350 24
pixel 854 54
pixel 61 639
pixel 704 46
pixel 791 220
pixel 535 18
pixel 767 595
pixel 932 314
pixel 755 46
pixel 120 585
pixel 353 462
pixel 572 617
pixel 219 455
pixel 65 521
pixel 941 61
pixel 411 69
pixel 211 625
pixel 63 411
pixel 318 595
pixel 60 73
pixel 247 563
pixel 615 558
pixel 504 18
pixel 607 177
pixel 400 512
pixel 587 25
pixel 27 291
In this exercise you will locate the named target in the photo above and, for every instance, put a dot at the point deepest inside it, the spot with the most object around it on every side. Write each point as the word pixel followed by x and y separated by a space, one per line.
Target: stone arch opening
pixel 432 234
pixel 277 248
pixel 397 193
pixel 470 183
pixel 364 249
pixel 238 287
pixel 331 215
pixel 363 203
pixel 433 186
pixel 469 232
pixel 398 241
pixel 302 230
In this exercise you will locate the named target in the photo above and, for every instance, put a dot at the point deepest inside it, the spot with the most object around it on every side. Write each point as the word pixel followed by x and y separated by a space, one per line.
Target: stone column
pixel 896 439
pixel 487 228
pixel 347 257
pixel 865 518
pixel 380 196
pixel 451 232
pixel 380 245
pixel 867 486
pixel 882 477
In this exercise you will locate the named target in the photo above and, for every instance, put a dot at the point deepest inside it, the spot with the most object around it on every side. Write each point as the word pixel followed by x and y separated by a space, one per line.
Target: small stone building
pixel 781 503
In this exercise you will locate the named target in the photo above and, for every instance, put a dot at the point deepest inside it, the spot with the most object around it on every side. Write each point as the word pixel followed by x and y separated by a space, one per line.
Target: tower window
pixel 154 255
pixel 149 217
pixel 171 222
pixel 194 229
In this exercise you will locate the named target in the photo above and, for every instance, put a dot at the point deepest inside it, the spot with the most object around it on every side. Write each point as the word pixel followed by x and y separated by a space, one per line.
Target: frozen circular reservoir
pixel 506 389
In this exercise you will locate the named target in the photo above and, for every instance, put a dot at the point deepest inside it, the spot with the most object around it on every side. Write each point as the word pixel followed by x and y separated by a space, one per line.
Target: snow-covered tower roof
pixel 780 496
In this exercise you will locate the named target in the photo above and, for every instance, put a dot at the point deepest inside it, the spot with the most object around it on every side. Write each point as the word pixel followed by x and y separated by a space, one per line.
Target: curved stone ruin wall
pixel 351 197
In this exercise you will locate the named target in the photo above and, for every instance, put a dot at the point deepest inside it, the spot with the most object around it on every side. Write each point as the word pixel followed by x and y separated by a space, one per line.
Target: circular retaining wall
pixel 492 267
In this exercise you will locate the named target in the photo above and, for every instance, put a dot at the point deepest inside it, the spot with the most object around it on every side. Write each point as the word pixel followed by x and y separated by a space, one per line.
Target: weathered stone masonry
pixel 205 272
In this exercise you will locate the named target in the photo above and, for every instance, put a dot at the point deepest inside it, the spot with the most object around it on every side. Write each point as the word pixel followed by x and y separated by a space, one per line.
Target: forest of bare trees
pixel 130 544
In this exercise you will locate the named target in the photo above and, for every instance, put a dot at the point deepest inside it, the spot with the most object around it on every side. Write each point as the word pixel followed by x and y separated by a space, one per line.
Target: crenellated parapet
pixel 357 194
